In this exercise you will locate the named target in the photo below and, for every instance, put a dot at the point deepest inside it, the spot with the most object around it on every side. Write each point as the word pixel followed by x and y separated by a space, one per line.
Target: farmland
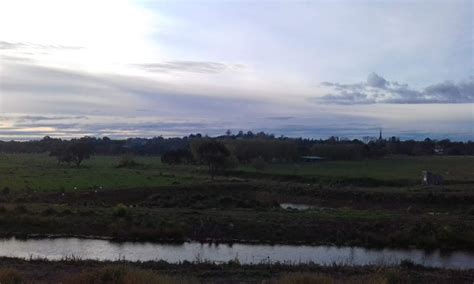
pixel 38 172
pixel 155 201
pixel 371 203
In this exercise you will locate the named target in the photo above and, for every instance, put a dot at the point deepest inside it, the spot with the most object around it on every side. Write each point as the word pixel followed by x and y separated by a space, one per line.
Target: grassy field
pixel 157 202
pixel 459 168
pixel 42 173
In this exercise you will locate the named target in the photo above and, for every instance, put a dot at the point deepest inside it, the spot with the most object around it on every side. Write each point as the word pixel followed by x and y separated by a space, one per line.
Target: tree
pixel 176 157
pixel 212 153
pixel 80 151
pixel 74 153
pixel 62 154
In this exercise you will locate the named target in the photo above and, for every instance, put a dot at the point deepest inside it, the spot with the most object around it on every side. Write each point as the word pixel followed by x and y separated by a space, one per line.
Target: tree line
pixel 242 147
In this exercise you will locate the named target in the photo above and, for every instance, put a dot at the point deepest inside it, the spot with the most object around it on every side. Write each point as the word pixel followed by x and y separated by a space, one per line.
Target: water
pixel 55 249
pixel 294 206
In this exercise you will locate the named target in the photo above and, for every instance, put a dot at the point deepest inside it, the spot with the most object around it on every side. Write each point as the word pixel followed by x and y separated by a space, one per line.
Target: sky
pixel 119 68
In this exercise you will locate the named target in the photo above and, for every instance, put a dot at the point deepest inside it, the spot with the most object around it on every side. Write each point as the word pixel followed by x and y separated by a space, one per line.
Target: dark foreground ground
pixel 237 210
pixel 74 271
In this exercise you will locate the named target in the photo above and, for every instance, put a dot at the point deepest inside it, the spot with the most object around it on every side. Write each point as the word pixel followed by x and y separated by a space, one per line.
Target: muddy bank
pixel 40 271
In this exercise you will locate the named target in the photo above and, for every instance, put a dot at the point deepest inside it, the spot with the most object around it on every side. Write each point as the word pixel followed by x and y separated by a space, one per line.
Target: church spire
pixel 380 135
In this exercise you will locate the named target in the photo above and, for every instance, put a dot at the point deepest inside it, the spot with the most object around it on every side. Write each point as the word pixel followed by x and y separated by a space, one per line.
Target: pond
pixel 60 248
pixel 295 206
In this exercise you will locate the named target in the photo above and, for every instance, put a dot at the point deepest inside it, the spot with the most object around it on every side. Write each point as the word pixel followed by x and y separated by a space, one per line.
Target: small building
pixel 428 178
pixel 312 159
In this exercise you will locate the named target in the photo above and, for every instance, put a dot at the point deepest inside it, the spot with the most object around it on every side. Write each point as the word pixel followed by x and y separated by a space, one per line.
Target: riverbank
pixel 250 212
pixel 79 271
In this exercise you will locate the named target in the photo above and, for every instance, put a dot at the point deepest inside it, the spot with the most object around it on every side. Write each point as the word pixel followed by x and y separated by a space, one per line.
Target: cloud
pixel 280 117
pixel 187 66
pixel 26 87
pixel 378 90
pixel 376 81
pixel 39 100
pixel 7 45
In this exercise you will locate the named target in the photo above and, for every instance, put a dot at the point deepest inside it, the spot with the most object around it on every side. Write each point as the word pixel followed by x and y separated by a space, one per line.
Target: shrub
pixel 127 161
pixel 121 210
pixel 10 276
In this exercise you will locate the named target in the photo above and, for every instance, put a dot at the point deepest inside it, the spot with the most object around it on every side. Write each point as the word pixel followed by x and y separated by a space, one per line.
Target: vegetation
pixel 38 172
pixel 10 276
pixel 127 161
pixel 259 164
pixel 82 271
pixel 124 275
pixel 238 211
pixel 177 157
pixel 212 153
pixel 75 152
pixel 230 190
pixel 245 147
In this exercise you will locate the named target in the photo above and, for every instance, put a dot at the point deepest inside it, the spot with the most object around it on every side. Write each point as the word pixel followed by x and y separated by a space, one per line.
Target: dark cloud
pixel 376 81
pixel 347 98
pixel 280 117
pixel 40 117
pixel 378 90
pixel 30 87
pixel 185 66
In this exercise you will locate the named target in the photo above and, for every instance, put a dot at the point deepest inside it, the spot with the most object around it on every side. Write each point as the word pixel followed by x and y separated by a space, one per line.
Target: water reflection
pixel 294 206
pixel 55 249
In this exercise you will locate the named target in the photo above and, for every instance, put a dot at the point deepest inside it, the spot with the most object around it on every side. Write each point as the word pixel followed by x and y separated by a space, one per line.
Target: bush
pixel 10 276
pixel 127 161
pixel 121 210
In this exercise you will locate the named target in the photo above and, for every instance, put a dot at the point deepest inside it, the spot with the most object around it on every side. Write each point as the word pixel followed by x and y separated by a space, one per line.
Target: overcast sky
pixel 313 69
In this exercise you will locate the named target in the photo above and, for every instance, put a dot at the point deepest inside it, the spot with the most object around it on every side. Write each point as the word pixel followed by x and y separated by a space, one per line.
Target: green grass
pixel 459 168
pixel 42 173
